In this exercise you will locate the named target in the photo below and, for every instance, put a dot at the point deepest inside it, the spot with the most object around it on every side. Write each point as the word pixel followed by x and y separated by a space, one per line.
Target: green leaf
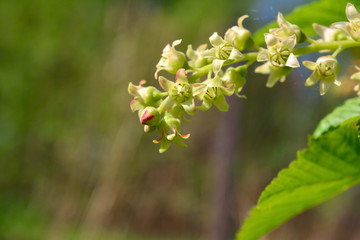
pixel 324 12
pixel 347 113
pixel 329 166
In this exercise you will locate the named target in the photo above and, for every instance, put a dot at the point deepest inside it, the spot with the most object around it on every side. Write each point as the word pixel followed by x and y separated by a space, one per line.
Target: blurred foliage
pixel 74 161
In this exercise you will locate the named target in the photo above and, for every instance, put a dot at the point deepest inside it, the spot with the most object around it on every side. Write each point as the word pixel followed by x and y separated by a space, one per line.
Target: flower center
pixel 224 50
pixel 278 55
pixel 327 71
pixel 355 24
pixel 181 92
pixel 212 92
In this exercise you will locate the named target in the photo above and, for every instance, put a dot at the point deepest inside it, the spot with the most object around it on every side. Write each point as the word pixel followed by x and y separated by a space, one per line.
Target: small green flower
pixel 287 29
pixel 239 36
pixel 275 73
pixel 181 92
pixel 197 59
pixel 144 96
pixel 353 26
pixel 171 59
pixel 356 77
pixel 325 70
pixel 235 77
pixel 223 51
pixel 279 53
pixel 329 34
pixel 215 92
pixel 169 128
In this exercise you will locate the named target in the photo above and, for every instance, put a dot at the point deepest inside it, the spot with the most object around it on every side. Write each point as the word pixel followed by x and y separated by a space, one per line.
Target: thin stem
pixel 250 62
pixel 337 51
pixel 332 46
pixel 257 47
pixel 310 40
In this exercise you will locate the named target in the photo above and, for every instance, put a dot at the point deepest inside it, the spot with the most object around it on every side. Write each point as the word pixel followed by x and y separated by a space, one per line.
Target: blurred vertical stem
pixel 225 144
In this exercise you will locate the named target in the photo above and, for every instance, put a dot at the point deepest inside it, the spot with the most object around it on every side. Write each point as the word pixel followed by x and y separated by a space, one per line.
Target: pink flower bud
pixel 150 116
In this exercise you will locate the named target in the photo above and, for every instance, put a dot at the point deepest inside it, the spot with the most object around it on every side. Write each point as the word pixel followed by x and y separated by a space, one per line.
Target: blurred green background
pixel 75 163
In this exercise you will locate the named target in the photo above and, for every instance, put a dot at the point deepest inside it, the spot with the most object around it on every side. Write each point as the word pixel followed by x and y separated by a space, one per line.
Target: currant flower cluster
pixel 201 79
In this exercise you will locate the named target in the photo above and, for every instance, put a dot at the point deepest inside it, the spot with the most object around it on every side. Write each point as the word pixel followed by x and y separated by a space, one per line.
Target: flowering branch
pixel 163 111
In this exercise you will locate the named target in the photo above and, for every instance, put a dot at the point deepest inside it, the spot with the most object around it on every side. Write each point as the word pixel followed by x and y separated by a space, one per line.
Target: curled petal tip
pixel 186 136
pixel 158 140
pixel 181 76
pixel 134 90
pixel 133 104
pixel 176 42
pixel 142 82
pixel 156 73
pixel 241 19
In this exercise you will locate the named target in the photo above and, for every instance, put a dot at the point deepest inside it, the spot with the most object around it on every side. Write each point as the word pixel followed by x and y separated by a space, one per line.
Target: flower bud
pixel 287 29
pixel 144 96
pixel 197 59
pixel 239 36
pixel 150 116
pixel 171 59
pixel 353 26
pixel 235 77
pixel 329 34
